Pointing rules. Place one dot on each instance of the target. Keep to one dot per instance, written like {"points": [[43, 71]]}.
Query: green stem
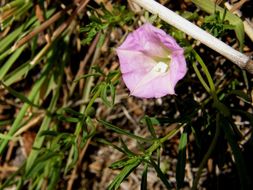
{"points": [[212, 90], [200, 78], [91, 102], [208, 154], [87, 90], [83, 108], [158, 142]]}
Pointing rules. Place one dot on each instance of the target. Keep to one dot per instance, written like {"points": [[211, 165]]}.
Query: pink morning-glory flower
{"points": [[151, 62]]}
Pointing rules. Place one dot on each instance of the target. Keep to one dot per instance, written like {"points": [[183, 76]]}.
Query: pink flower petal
{"points": [[146, 40], [145, 50], [134, 61]]}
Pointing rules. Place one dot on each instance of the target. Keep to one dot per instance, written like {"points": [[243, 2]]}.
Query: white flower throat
{"points": [[161, 67]]}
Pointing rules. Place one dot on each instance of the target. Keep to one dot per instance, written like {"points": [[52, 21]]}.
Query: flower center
{"points": [[161, 67]]}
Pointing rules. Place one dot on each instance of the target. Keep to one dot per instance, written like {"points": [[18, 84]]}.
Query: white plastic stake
{"points": [[240, 59]]}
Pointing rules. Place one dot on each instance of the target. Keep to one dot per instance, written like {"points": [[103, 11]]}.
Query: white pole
{"points": [[197, 33]]}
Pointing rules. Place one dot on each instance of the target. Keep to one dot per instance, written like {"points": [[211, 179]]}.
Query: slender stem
{"points": [[207, 155], [91, 102], [158, 143], [211, 88], [205, 70], [200, 77], [85, 97], [197, 33]]}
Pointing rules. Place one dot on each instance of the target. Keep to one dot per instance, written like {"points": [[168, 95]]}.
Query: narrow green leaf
{"points": [[55, 176], [16, 124], [70, 111], [121, 131], [180, 170], [40, 163], [6, 137], [49, 133], [91, 127], [223, 109], [15, 12], [125, 148], [5, 68], [6, 41], [20, 184], [19, 95], [89, 131], [107, 90], [239, 160], [17, 74], [5, 54], [68, 119], [101, 40], [112, 93], [119, 164], [112, 75], [124, 173], [154, 120], [122, 163], [103, 95], [201, 79], [110, 144], [150, 126], [160, 174], [205, 70], [74, 159], [9, 181], [86, 76], [144, 178], [38, 142]]}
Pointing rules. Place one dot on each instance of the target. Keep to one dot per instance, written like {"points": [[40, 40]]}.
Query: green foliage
{"points": [[216, 24], [40, 77], [18, 95], [13, 11], [211, 8], [180, 170], [150, 127], [134, 160], [144, 178], [123, 132], [128, 168], [239, 160], [161, 174], [103, 19]]}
